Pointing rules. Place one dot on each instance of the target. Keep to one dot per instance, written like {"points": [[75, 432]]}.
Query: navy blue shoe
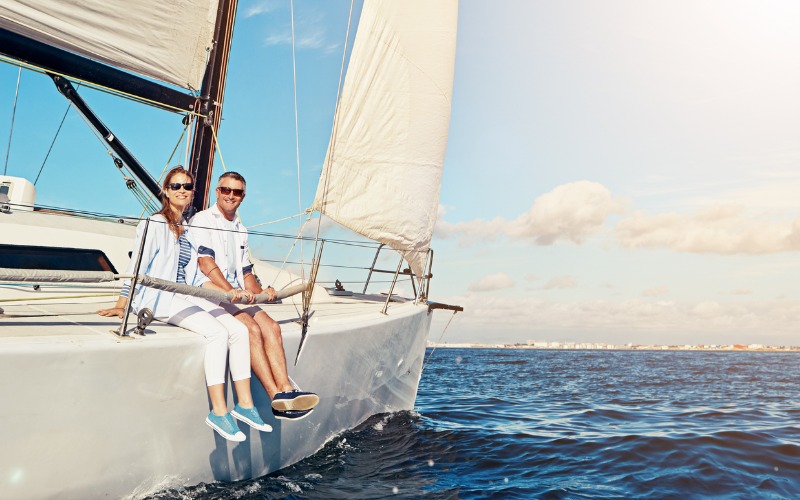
{"points": [[294, 400], [291, 414]]}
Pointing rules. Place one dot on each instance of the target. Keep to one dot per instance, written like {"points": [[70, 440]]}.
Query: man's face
{"points": [[230, 193]]}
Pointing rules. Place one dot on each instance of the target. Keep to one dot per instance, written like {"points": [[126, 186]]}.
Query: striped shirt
{"points": [[183, 257]]}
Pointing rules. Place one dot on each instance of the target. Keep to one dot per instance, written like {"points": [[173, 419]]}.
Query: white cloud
{"points": [[570, 212], [561, 282], [310, 33], [722, 229], [633, 320], [490, 282], [659, 291], [259, 8]]}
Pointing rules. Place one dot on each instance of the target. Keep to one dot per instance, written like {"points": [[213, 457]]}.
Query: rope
{"points": [[218, 148], [306, 211], [437, 342], [60, 297], [13, 115]]}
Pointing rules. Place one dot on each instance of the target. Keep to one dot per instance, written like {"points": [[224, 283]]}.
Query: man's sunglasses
{"points": [[226, 191], [177, 185]]}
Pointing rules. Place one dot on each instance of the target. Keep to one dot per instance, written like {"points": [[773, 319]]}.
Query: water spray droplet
{"points": [[505, 479], [395, 490], [430, 463]]}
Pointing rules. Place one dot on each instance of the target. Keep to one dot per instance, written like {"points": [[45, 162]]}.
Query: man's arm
{"points": [[216, 280], [209, 267]]}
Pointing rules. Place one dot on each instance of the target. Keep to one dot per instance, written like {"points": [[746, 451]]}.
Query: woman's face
{"points": [[181, 197]]}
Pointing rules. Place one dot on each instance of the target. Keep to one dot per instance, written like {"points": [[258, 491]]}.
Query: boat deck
{"points": [[75, 319]]}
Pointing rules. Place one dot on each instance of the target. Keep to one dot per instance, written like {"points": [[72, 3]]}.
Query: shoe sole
{"points": [[281, 417], [304, 402], [258, 427], [224, 434]]}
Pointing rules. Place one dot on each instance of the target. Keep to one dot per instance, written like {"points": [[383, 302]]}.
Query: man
{"points": [[221, 242]]}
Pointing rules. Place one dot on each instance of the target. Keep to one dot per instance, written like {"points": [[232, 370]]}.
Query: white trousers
{"points": [[225, 336]]}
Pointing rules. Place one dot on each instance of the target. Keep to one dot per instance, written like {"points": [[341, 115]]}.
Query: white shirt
{"points": [[212, 236]]}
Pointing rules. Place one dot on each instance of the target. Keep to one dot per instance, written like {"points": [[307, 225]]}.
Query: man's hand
{"points": [[244, 296], [271, 293]]}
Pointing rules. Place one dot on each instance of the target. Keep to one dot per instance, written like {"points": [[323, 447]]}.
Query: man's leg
{"points": [[259, 360], [258, 357], [272, 342], [287, 399]]}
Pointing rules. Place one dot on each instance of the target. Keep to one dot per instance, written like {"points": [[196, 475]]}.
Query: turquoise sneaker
{"points": [[225, 427], [251, 417]]}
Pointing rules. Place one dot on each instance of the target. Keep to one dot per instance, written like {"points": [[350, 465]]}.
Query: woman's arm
{"points": [[118, 310]]}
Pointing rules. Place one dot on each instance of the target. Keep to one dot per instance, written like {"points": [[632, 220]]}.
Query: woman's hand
{"points": [[113, 311]]}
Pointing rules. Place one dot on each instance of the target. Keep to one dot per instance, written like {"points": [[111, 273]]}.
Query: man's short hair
{"points": [[233, 175]]}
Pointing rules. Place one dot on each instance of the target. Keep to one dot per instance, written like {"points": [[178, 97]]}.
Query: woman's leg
{"points": [[238, 349], [194, 318]]}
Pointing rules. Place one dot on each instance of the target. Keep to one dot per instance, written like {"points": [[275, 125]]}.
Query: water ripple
{"points": [[566, 424]]}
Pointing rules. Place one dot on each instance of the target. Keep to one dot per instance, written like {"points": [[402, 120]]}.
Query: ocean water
{"points": [[514, 423]]}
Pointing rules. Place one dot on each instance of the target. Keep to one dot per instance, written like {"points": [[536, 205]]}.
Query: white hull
{"points": [[88, 415]]}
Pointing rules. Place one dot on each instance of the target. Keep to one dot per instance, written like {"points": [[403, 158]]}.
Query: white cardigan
{"points": [[160, 260]]}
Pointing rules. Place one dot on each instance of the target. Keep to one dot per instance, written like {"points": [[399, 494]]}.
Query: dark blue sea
{"points": [[516, 423]]}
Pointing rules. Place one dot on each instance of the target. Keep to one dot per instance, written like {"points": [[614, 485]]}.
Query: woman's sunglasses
{"points": [[226, 191], [188, 186]]}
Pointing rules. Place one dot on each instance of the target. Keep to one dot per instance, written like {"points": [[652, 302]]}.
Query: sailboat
{"points": [[94, 408]]}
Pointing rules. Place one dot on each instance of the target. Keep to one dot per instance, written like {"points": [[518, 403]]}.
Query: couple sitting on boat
{"points": [[212, 251]]}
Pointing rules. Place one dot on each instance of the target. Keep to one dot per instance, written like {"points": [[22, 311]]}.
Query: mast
{"points": [[211, 98]]}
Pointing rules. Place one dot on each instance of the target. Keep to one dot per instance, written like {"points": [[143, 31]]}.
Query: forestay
{"points": [[162, 39], [383, 171]]}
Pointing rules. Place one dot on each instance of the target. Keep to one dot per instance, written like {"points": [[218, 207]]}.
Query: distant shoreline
{"points": [[568, 347]]}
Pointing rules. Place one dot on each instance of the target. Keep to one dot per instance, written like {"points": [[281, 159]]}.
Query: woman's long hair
{"points": [[166, 211]]}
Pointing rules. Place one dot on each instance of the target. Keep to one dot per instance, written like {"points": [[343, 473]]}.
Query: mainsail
{"points": [[383, 170], [166, 40]]}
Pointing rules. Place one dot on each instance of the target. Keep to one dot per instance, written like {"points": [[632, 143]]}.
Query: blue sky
{"points": [[617, 171]]}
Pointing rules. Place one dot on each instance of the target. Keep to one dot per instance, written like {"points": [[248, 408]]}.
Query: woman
{"points": [[168, 255]]}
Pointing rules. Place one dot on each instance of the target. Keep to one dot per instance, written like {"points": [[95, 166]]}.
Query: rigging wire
{"points": [[327, 164], [140, 195], [296, 132], [152, 208], [58, 131], [438, 341], [13, 114]]}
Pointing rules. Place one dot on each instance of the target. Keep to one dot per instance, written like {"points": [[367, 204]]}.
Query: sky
{"points": [[617, 171]]}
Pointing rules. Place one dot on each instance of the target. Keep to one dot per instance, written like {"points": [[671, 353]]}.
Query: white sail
{"points": [[162, 39], [383, 171]]}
